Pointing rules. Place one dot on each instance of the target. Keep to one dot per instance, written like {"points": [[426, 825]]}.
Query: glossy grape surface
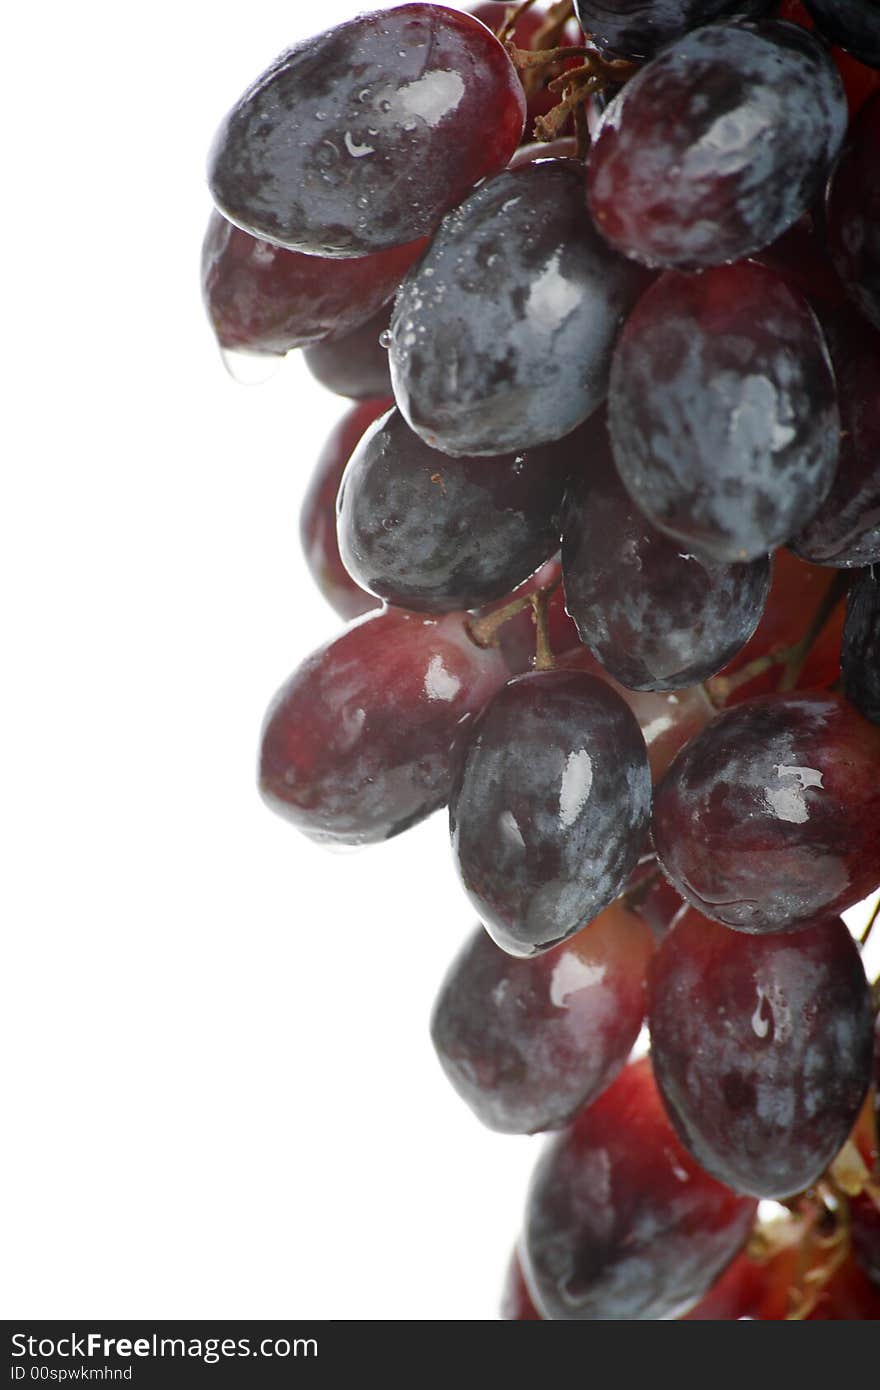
{"points": [[526, 1043], [768, 819], [860, 658], [717, 146], [549, 810], [264, 299], [317, 522], [359, 743], [433, 533], [502, 339], [656, 616], [852, 24], [845, 532], [762, 1048], [354, 364], [620, 1222], [637, 28], [364, 136], [853, 212], [723, 410]]}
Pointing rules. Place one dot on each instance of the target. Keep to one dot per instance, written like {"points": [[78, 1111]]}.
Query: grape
{"points": [[717, 146], [659, 905], [668, 719], [800, 257], [264, 299], [861, 647], [526, 1043], [549, 808], [865, 1215], [845, 531], [853, 24], [354, 364], [637, 28], [762, 1048], [620, 1222], [768, 819], [657, 617], [723, 410], [853, 212], [433, 533], [362, 138], [359, 743], [516, 1301], [318, 515], [502, 340]]}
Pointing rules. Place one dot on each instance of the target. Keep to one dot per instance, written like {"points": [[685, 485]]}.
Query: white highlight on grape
{"points": [[440, 684], [571, 974], [788, 802], [577, 782]]}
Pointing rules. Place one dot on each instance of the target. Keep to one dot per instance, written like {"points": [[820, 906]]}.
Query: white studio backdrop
{"points": [[220, 1095]]}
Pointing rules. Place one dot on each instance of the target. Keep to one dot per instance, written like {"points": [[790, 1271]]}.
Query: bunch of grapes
{"points": [[604, 517]]}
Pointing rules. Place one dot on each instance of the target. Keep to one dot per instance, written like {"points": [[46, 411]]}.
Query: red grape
{"points": [[526, 1043], [360, 742], [762, 1048], [768, 819], [853, 212], [516, 1301], [354, 364], [621, 1223], [262, 298]]}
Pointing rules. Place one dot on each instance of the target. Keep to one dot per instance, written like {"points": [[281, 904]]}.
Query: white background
{"points": [[219, 1092]]}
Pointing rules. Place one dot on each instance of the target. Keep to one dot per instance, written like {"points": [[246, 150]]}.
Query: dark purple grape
{"points": [[317, 522], [526, 1043], [655, 616], [549, 809], [621, 1223], [364, 136], [503, 339], [262, 298], [433, 533], [845, 532], [717, 146], [359, 743], [860, 655], [723, 410], [851, 24], [768, 819], [354, 364], [853, 212], [637, 28], [762, 1048]]}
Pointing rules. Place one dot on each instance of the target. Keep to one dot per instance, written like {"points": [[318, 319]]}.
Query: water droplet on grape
{"points": [[386, 338], [250, 368]]}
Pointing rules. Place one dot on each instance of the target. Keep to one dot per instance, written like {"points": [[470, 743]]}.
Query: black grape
{"points": [[851, 24], [549, 809], [655, 616], [503, 338], [723, 410], [429, 532]]}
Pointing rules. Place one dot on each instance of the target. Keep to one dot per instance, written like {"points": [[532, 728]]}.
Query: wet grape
{"points": [[550, 807], [637, 28], [361, 138], [354, 364], [762, 1048]]}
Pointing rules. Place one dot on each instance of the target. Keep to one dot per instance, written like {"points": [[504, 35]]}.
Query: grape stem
{"points": [[866, 934], [792, 659], [544, 660], [484, 631], [512, 17]]}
